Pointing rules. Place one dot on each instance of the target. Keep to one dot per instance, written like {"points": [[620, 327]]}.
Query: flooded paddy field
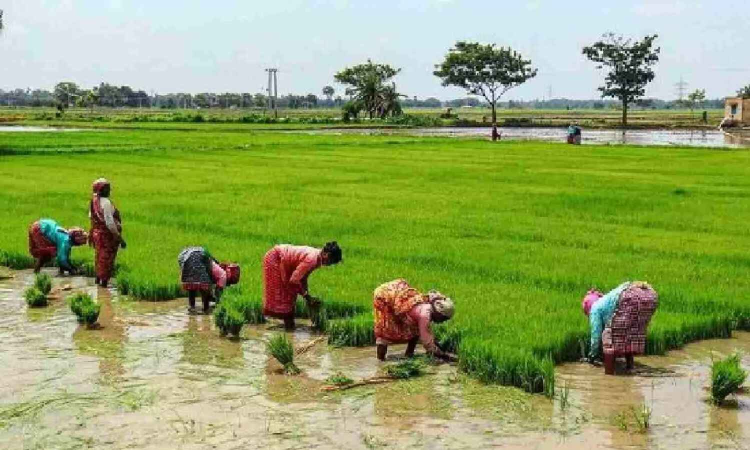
{"points": [[153, 376]]}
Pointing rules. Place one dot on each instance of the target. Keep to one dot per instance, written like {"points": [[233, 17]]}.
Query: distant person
{"points": [[202, 273], [705, 117], [285, 272], [600, 309], [574, 134], [47, 240], [403, 316], [106, 231]]}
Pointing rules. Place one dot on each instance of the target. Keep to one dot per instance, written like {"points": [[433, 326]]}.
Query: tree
{"points": [[328, 91], [66, 93], [367, 87], [696, 97], [486, 70], [744, 92], [630, 67], [1, 21]]}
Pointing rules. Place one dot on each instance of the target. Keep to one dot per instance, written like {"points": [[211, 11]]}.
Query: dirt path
{"points": [[155, 377]]}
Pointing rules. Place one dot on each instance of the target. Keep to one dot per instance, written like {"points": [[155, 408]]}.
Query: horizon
{"points": [[212, 48]]}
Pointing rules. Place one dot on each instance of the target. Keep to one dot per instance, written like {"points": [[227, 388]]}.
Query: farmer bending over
{"points": [[403, 315], [200, 272], [285, 272], [47, 239]]}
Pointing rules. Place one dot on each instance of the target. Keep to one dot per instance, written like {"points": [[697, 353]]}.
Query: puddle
{"points": [[154, 376], [689, 138], [33, 129]]}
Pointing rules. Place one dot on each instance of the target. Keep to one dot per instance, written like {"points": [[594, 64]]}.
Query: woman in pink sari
{"points": [[285, 272], [106, 231]]}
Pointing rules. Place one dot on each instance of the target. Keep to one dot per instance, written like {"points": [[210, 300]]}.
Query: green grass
{"points": [[727, 377], [35, 298], [229, 319], [514, 232], [85, 308], [43, 282]]}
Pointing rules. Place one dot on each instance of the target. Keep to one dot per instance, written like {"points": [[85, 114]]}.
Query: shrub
{"points": [[85, 308], [727, 377], [35, 298], [43, 282], [281, 348]]}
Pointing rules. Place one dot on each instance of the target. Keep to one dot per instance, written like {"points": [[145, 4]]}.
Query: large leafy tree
{"points": [[328, 91], [371, 88], [66, 93], [744, 92], [486, 70], [630, 64]]}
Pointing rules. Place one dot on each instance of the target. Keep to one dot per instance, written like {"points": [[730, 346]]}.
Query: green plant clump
{"points": [[281, 348], [405, 369], [35, 298], [229, 319], [43, 282], [85, 308], [727, 377], [339, 379]]}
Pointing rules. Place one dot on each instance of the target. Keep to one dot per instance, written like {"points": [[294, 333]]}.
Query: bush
{"points": [[43, 282], [727, 377], [35, 298], [280, 347], [85, 308]]}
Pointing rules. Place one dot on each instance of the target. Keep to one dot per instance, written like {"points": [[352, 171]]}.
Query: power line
{"points": [[681, 88]]}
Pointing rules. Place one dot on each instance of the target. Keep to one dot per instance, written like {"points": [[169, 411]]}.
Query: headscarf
{"points": [[77, 235], [99, 185], [588, 301], [441, 304]]}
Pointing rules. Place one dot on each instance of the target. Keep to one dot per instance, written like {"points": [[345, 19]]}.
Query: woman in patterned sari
{"points": [[106, 231], [285, 272], [48, 240], [403, 315]]}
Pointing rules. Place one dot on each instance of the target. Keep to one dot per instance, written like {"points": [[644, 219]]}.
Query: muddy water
{"points": [[688, 138], [154, 377]]}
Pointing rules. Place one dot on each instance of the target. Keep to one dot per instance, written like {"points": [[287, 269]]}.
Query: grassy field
{"points": [[514, 232], [304, 118]]}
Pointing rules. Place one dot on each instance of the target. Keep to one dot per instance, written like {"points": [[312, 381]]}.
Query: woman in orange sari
{"points": [[106, 231], [285, 272], [403, 316]]}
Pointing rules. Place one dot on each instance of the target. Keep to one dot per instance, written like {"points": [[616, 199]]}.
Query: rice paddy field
{"points": [[515, 232]]}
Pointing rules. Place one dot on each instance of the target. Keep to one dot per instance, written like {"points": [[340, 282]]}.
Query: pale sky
{"points": [[224, 45]]}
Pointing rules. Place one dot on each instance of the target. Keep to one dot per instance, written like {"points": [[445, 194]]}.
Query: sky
{"points": [[196, 46]]}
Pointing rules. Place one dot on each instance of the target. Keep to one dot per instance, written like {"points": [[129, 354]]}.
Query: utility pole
{"points": [[681, 88], [273, 90]]}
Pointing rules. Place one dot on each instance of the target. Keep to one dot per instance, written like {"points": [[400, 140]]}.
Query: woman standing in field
{"points": [[403, 315], [600, 309], [106, 231], [285, 272], [47, 239]]}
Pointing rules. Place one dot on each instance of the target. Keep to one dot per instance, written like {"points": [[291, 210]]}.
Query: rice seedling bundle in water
{"points": [[405, 369], [561, 221], [727, 377], [85, 308], [35, 298], [281, 348], [228, 319], [43, 282]]}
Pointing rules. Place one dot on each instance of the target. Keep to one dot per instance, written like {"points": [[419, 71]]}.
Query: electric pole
{"points": [[681, 88], [273, 90]]}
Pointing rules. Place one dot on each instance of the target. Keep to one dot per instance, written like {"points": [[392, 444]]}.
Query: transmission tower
{"points": [[273, 89], [680, 89]]}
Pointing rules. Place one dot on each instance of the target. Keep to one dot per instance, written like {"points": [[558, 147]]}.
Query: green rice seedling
{"points": [[85, 308], [43, 282], [405, 369], [352, 332], [281, 348], [35, 298], [564, 397], [642, 417], [339, 379], [727, 377], [228, 319], [251, 308]]}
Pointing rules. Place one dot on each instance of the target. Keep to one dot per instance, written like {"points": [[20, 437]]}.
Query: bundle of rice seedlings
{"points": [[339, 379], [281, 348], [43, 282], [405, 369], [85, 308], [35, 298], [229, 319], [727, 377]]}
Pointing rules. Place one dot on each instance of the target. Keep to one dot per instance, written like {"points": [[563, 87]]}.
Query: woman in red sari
{"points": [[106, 231], [403, 316], [285, 272]]}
